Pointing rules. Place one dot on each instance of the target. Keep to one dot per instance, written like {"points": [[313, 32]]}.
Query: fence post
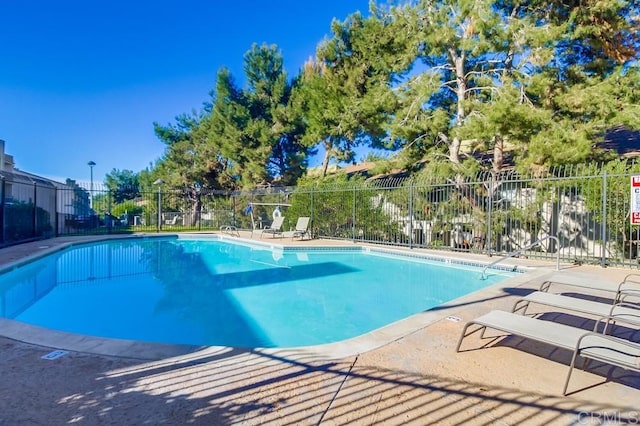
{"points": [[603, 251], [159, 224], [2, 211], [110, 227], [312, 214], [55, 211], [491, 186], [34, 219], [353, 217], [233, 211], [411, 214]]}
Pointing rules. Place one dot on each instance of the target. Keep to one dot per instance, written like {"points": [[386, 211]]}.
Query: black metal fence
{"points": [[27, 210], [587, 208]]}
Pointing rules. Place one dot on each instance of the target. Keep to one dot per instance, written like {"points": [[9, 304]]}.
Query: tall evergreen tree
{"points": [[190, 159], [123, 185], [522, 74], [347, 88], [191, 162], [260, 128]]}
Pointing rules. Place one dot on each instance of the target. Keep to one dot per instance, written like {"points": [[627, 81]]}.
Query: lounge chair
{"points": [[173, 221], [628, 312], [275, 228], [629, 287], [587, 344], [302, 228]]}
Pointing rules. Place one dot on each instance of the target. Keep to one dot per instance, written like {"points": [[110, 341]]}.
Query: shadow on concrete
{"points": [[507, 292], [229, 386], [563, 356]]}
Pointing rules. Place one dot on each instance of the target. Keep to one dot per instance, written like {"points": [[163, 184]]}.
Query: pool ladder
{"points": [[527, 247]]}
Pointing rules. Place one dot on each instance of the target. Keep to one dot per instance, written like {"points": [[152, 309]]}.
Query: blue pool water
{"points": [[212, 292]]}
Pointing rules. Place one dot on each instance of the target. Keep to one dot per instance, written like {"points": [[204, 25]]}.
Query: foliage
{"points": [[341, 207], [128, 207], [102, 202], [457, 86], [346, 90], [439, 171], [123, 185], [538, 78], [19, 221], [617, 193], [190, 160], [259, 129]]}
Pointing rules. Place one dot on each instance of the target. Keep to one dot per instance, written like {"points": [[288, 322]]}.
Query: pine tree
{"points": [[519, 75]]}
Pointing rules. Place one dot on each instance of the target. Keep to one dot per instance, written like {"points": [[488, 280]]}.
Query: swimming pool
{"points": [[214, 292]]}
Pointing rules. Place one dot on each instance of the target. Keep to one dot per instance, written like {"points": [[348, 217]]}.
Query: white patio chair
{"points": [[275, 228]]}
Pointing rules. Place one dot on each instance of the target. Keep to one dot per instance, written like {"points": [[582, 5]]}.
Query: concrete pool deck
{"points": [[415, 379]]}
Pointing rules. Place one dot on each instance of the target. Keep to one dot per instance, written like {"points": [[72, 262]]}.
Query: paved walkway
{"points": [[416, 379]]}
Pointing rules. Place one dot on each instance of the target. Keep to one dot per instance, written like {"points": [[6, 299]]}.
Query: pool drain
{"points": [[54, 355]]}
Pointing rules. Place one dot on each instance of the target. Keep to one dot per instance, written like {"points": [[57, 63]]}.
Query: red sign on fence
{"points": [[635, 200]]}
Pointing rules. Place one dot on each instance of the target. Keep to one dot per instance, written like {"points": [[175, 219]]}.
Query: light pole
{"points": [[91, 164], [159, 182]]}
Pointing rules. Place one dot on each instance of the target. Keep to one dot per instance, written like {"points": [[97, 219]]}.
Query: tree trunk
{"points": [[454, 150], [461, 89], [196, 210], [498, 154], [327, 157], [461, 94]]}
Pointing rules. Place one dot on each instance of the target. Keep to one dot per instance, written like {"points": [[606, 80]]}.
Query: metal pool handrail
{"points": [[517, 252]]}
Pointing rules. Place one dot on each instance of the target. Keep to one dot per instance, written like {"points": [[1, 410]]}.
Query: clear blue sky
{"points": [[85, 80]]}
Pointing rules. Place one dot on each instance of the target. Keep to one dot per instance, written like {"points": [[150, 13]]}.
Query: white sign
{"points": [[635, 200]]}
